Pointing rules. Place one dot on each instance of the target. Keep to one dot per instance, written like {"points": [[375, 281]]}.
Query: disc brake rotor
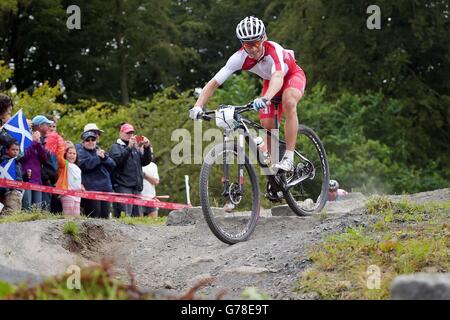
{"points": [[234, 194]]}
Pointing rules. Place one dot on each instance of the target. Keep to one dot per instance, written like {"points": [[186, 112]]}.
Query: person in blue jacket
{"points": [[96, 167]]}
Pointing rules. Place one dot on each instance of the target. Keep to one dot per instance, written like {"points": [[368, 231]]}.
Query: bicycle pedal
{"points": [[272, 198]]}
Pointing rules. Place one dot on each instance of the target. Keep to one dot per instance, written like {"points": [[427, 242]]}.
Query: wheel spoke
{"points": [[230, 212], [308, 196]]}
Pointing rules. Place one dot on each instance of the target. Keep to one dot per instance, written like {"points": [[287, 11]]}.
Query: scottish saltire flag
{"points": [[8, 169], [17, 127]]}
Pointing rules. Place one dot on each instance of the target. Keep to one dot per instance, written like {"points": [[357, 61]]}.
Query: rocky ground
{"points": [[171, 259]]}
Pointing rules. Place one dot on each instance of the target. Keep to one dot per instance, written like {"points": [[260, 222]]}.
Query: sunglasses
{"points": [[252, 44], [90, 140]]}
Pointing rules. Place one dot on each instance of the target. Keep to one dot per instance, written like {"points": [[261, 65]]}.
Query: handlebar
{"points": [[205, 115]]}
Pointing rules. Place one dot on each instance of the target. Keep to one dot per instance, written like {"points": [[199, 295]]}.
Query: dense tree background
{"points": [[378, 98]]}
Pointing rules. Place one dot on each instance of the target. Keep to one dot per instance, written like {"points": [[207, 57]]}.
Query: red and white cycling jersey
{"points": [[275, 58]]}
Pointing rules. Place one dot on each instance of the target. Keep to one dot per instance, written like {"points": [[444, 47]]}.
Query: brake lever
{"points": [[204, 116]]}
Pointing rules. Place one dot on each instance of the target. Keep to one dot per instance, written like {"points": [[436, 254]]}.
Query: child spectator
{"points": [[12, 197], [69, 174]]}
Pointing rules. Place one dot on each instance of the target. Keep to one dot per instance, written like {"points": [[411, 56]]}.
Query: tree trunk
{"points": [[119, 26], [125, 97]]}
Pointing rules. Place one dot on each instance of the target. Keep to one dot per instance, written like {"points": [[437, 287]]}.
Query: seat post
{"points": [[276, 102], [275, 106]]}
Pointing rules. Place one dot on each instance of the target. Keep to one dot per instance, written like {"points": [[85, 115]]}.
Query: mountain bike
{"points": [[229, 185]]}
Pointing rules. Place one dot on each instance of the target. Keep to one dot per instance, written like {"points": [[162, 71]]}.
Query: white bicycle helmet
{"points": [[333, 185], [250, 29]]}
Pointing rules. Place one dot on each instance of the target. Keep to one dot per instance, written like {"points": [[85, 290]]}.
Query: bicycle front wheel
{"points": [[229, 193], [310, 195]]}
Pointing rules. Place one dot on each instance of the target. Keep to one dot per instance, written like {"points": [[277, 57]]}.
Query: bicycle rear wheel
{"points": [[310, 195], [231, 211]]}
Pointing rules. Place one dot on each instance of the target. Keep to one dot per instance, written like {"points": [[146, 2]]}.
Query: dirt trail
{"points": [[172, 258]]}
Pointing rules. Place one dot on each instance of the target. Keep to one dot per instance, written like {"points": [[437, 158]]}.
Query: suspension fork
{"points": [[241, 163], [226, 178]]}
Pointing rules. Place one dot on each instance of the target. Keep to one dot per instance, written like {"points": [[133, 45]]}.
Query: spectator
{"points": [[12, 197], [128, 175], [334, 193], [52, 127], [69, 177], [90, 127], [31, 162], [55, 202], [96, 167], [49, 173], [93, 127], [6, 105], [151, 180]]}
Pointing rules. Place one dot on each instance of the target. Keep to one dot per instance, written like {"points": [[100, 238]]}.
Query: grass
{"points": [[100, 283], [97, 282], [143, 220], [72, 229], [39, 214], [323, 215], [29, 215], [407, 238]]}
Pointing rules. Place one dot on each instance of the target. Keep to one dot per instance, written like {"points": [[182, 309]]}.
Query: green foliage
{"points": [[5, 289], [237, 90], [252, 293], [42, 101], [72, 229], [377, 98], [407, 60], [341, 262], [8, 5], [365, 143], [335, 46], [209, 28], [5, 73], [143, 220], [404, 211], [97, 283]]}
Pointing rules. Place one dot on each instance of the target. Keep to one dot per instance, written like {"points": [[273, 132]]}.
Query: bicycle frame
{"points": [[274, 178]]}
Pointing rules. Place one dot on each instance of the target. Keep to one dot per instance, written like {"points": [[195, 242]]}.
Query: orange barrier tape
{"points": [[94, 195]]}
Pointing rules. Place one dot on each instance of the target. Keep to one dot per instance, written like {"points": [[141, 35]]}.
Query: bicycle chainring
{"points": [[272, 195]]}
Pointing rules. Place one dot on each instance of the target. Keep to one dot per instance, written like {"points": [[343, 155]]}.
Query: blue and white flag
{"points": [[17, 127], [8, 169]]}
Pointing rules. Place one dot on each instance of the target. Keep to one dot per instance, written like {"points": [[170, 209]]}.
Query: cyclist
{"points": [[334, 193], [282, 78]]}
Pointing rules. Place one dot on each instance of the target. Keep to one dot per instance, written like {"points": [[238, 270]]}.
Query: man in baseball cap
{"points": [[39, 120], [127, 176], [127, 128]]}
